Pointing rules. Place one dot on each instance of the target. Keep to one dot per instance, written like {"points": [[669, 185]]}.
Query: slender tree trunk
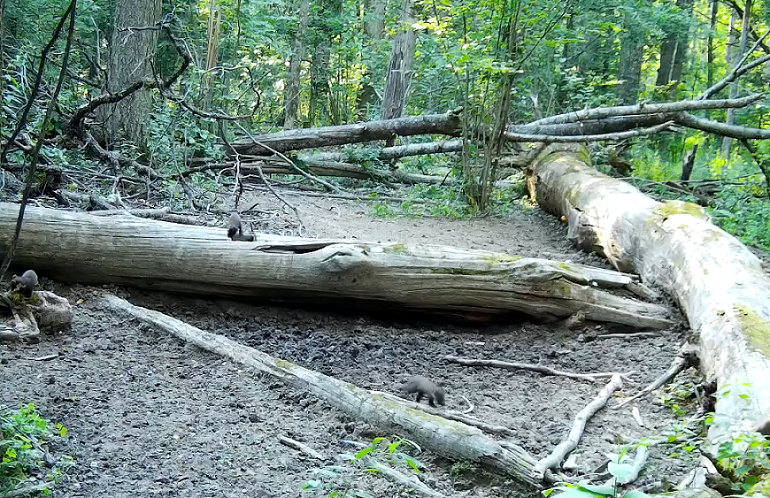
{"points": [[682, 42], [212, 51], [667, 50], [374, 27], [710, 49], [400, 67], [630, 67], [291, 91], [376, 23], [501, 114], [130, 57], [733, 59], [319, 67]]}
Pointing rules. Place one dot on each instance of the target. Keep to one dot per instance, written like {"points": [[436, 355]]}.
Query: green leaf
{"points": [[623, 471], [599, 489], [635, 494], [364, 452]]}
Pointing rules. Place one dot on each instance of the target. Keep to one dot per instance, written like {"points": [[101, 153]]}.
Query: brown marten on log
{"points": [[424, 387], [235, 230], [25, 284]]}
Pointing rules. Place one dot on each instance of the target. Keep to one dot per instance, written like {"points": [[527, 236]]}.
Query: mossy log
{"points": [[481, 285], [449, 438], [719, 284]]}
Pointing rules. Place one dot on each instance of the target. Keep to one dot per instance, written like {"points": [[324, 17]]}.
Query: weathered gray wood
{"points": [[311, 138], [78, 247], [717, 281], [446, 437]]}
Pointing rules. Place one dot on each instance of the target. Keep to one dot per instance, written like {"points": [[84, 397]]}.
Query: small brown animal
{"points": [[235, 226], [424, 387], [25, 283], [235, 230]]}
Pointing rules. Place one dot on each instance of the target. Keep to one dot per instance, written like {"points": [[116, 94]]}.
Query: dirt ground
{"points": [[151, 416]]}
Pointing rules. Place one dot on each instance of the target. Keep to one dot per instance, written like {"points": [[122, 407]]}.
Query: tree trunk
{"points": [[731, 58], [446, 437], [291, 91], [674, 49], [367, 96], [130, 57], [375, 11], [479, 285], [682, 43], [400, 66], [212, 52], [719, 284], [311, 138], [319, 67], [631, 56], [502, 108], [710, 49]]}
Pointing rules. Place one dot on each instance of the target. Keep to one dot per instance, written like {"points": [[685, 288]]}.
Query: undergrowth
{"points": [[26, 461]]}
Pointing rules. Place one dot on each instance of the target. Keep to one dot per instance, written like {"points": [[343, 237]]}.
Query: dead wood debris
{"points": [[562, 449], [593, 377], [686, 357], [307, 450]]}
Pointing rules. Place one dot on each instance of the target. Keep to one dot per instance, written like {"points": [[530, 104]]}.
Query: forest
{"points": [[372, 248]]}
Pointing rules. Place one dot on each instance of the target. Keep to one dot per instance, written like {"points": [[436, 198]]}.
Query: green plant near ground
{"points": [[23, 433], [338, 481], [621, 471]]}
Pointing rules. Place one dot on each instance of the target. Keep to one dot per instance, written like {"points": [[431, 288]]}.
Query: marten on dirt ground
{"points": [[25, 283], [424, 387], [235, 230]]}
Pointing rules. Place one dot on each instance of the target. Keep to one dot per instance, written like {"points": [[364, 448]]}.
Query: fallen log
{"points": [[445, 437], [717, 281], [313, 138], [480, 285]]}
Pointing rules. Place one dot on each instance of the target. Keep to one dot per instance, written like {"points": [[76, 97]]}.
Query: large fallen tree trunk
{"points": [[311, 138], [446, 437], [718, 282], [78, 247]]}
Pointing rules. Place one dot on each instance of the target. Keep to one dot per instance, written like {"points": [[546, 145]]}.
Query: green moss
{"points": [[396, 249], [671, 208], [755, 329], [285, 364], [501, 258]]}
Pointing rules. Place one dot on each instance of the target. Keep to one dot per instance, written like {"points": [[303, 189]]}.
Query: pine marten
{"points": [[235, 230], [24, 284], [424, 387]]}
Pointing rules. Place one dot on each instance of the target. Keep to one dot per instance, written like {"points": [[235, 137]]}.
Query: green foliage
{"points": [[22, 436], [338, 480]]}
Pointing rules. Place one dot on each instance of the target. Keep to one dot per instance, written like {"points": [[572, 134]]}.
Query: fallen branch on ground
{"points": [[685, 358], [448, 414], [593, 377], [445, 437], [401, 478], [578, 426], [301, 447]]}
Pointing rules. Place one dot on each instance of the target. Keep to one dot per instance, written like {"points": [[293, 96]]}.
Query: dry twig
{"points": [[593, 377], [578, 426]]}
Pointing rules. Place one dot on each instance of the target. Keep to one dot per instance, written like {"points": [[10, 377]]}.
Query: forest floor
{"points": [[151, 416]]}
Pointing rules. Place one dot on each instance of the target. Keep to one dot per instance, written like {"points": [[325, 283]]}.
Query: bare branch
{"points": [[622, 135], [645, 108], [739, 70]]}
